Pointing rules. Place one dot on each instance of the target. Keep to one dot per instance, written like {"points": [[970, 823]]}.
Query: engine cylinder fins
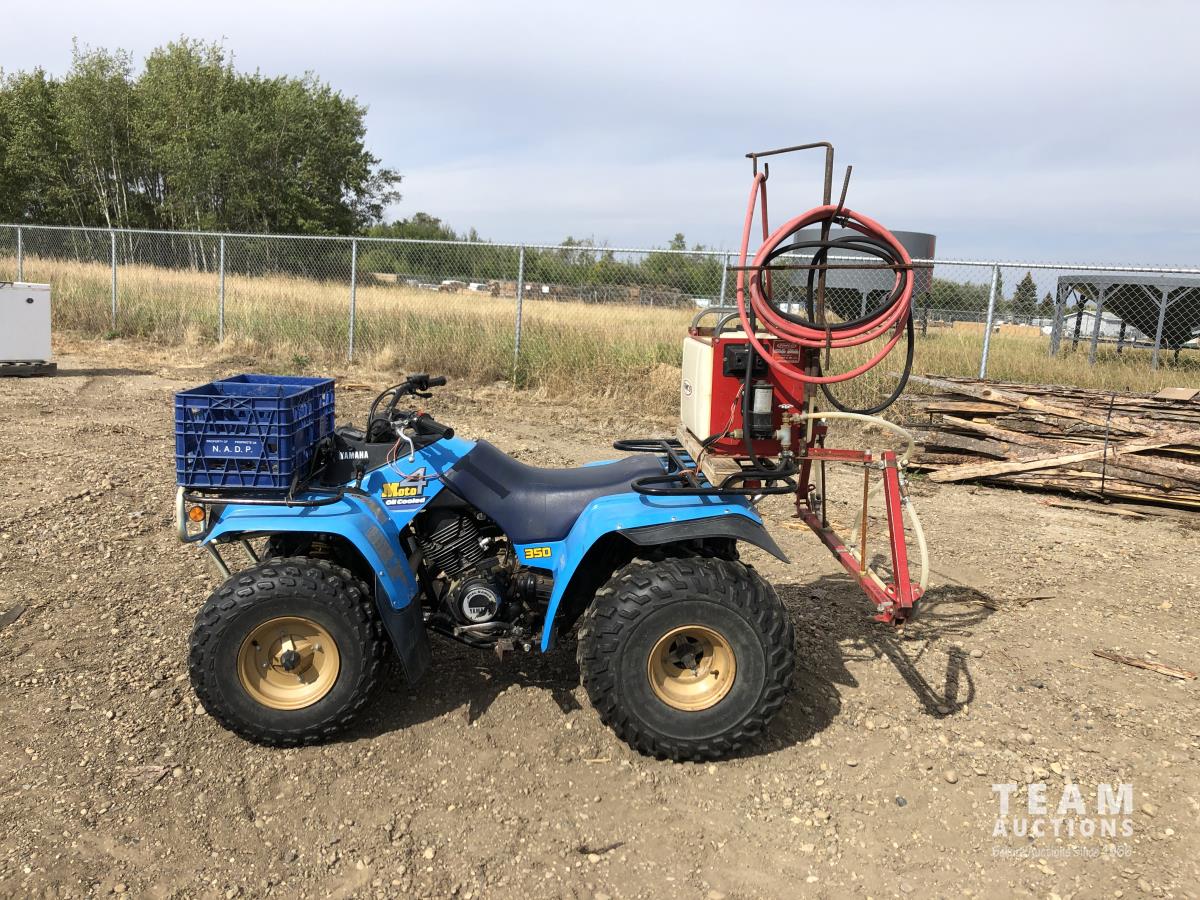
{"points": [[452, 546]]}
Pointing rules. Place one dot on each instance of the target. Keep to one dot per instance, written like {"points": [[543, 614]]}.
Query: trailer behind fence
{"points": [[573, 316]]}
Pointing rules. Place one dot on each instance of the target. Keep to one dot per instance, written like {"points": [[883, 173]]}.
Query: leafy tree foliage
{"points": [[956, 296], [186, 143]]}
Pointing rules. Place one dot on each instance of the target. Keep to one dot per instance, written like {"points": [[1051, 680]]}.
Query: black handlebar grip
{"points": [[437, 381], [425, 425]]}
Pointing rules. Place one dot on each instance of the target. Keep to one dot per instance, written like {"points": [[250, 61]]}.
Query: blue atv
{"points": [[401, 528]]}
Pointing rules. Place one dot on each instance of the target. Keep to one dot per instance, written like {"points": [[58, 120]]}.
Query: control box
{"points": [[24, 322], [710, 393]]}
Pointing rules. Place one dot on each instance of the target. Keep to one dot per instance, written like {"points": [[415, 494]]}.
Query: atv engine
{"points": [[478, 597], [477, 584]]}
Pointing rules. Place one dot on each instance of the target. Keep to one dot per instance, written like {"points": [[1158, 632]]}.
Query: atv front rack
{"points": [[684, 477]]}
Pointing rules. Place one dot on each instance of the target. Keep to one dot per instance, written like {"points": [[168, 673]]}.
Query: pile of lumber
{"points": [[1132, 447]]}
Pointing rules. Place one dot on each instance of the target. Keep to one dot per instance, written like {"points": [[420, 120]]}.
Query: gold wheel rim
{"points": [[691, 668], [288, 663]]}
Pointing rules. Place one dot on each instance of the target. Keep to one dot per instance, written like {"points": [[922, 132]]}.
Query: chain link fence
{"points": [[573, 317]]}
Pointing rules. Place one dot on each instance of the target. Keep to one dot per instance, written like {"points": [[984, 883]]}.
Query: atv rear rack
{"points": [[685, 476]]}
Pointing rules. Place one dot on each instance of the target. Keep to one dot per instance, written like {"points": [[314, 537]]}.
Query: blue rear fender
{"points": [[633, 513]]}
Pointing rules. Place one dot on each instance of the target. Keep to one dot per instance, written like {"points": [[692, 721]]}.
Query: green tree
{"points": [[35, 181], [1046, 307], [96, 106], [187, 143], [1024, 300], [947, 297]]}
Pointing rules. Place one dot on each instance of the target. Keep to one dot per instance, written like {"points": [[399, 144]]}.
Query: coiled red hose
{"points": [[891, 317]]}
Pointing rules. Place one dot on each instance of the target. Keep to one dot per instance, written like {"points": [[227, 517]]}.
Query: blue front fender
{"points": [[624, 512], [360, 519]]}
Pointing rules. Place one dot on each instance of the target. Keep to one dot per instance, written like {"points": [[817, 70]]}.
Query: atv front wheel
{"points": [[287, 652], [686, 658]]}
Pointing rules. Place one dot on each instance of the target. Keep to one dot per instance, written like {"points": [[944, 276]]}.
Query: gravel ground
{"points": [[493, 779]]}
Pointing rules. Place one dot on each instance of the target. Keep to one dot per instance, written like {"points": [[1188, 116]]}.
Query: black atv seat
{"points": [[533, 504]]}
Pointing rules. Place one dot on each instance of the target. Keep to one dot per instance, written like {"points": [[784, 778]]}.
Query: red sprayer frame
{"points": [[894, 600], [767, 328]]}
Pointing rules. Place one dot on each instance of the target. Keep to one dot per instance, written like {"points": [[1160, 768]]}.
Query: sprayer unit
{"points": [[756, 402], [714, 368]]}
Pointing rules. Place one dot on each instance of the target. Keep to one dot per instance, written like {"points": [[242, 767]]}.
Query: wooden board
{"points": [[715, 468], [983, 470], [1177, 394], [1106, 444]]}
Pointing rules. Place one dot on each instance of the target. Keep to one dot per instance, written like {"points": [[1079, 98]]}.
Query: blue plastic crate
{"points": [[250, 432]]}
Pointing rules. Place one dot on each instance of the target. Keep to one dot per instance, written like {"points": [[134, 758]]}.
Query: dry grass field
{"points": [[567, 348]]}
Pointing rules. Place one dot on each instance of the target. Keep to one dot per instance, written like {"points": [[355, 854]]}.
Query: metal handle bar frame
{"points": [[686, 481]]}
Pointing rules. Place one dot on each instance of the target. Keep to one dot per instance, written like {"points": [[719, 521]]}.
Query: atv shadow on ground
{"points": [[465, 681], [101, 372], [833, 627]]}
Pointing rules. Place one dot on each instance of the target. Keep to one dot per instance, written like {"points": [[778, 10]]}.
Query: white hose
{"points": [[919, 537], [909, 440], [902, 460]]}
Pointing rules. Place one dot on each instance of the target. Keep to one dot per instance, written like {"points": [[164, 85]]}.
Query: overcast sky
{"points": [[1050, 131]]}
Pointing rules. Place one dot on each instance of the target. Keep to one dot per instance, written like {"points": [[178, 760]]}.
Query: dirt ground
{"points": [[493, 779]]}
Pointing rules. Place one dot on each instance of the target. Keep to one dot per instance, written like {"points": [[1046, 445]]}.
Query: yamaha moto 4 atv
{"points": [[402, 529]]}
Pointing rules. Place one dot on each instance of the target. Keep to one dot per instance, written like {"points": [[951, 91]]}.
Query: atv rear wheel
{"points": [[686, 658], [287, 652]]}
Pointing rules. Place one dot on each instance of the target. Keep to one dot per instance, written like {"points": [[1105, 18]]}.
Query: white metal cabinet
{"points": [[24, 322]]}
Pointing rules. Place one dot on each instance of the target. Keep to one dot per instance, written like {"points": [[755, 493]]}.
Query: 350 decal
{"points": [[538, 553]]}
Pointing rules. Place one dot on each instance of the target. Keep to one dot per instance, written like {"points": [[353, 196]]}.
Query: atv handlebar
{"points": [[423, 382], [424, 424], [383, 407]]}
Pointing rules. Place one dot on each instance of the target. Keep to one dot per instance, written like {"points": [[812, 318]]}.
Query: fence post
{"points": [[20, 255], [1162, 315], [987, 328], [1096, 326], [353, 294], [112, 255], [724, 276], [1056, 326], [520, 298], [221, 291]]}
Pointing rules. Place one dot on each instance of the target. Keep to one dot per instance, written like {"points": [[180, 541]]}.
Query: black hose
{"points": [[821, 251], [901, 383]]}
